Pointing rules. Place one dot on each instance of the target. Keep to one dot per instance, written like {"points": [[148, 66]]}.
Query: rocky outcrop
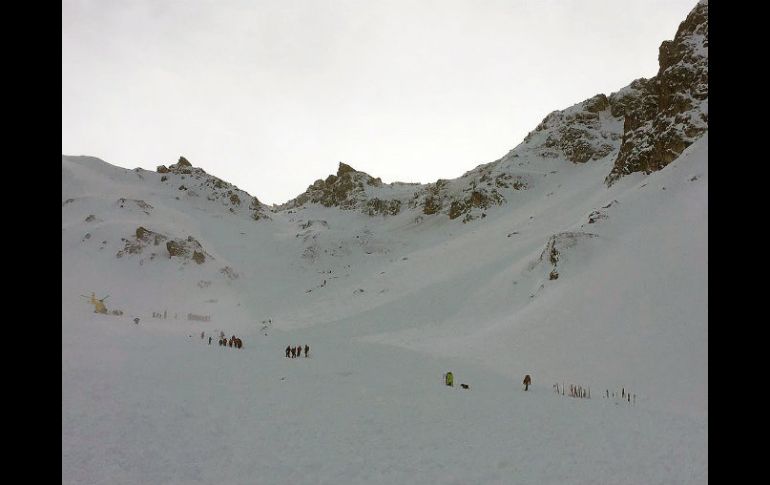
{"points": [[470, 195], [554, 249], [187, 249], [584, 132], [377, 206], [642, 127], [183, 166], [476, 199], [345, 190], [143, 238], [257, 210], [196, 182], [338, 190], [667, 113]]}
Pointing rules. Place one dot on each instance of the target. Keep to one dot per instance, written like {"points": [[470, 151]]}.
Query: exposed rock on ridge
{"points": [[667, 113], [214, 188], [580, 133], [346, 190]]}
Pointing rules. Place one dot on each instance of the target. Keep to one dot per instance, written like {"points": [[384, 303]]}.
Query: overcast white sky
{"points": [[270, 95]]}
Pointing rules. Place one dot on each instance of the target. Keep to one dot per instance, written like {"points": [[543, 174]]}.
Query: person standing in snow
{"points": [[288, 351], [307, 349], [293, 352], [202, 335], [528, 381], [450, 378], [209, 339]]}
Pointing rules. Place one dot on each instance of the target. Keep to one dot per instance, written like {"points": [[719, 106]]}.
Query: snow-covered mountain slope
{"points": [[530, 264], [573, 283], [587, 131]]}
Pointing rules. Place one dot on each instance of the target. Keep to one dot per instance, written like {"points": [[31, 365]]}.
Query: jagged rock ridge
{"points": [[195, 182], [667, 113]]}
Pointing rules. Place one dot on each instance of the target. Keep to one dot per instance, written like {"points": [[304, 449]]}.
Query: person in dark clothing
{"points": [[307, 349], [288, 351], [209, 339], [293, 352]]}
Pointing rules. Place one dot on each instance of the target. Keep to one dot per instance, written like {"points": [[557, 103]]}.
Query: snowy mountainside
{"points": [[586, 131], [432, 284], [579, 257], [387, 305]]}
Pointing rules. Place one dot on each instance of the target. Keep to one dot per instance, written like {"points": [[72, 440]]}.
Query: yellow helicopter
{"points": [[98, 303]]}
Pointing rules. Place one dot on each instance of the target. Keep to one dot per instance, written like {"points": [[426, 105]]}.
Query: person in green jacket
{"points": [[449, 379]]}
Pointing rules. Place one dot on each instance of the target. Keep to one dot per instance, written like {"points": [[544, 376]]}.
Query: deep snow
{"points": [[153, 403]]}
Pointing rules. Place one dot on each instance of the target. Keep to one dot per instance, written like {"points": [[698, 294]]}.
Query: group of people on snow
{"points": [[233, 342], [224, 341], [293, 352]]}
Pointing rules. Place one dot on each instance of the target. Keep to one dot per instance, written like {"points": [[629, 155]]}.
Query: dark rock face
{"points": [[596, 104], [631, 100], [667, 113]]}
